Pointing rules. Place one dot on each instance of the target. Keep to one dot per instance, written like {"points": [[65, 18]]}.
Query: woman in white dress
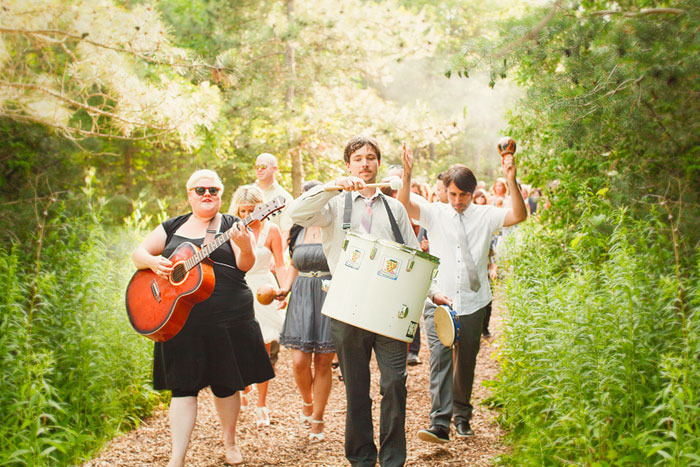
{"points": [[268, 246]]}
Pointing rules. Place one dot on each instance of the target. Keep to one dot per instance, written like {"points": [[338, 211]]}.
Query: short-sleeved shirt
{"points": [[480, 223], [282, 221]]}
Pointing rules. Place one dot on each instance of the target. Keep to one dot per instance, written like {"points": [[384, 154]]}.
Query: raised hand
{"points": [[406, 159], [508, 166]]}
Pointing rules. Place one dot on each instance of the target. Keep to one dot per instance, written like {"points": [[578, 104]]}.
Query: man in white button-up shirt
{"points": [[462, 276], [354, 346]]}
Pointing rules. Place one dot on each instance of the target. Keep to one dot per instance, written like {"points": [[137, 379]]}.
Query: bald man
{"points": [[266, 174]]}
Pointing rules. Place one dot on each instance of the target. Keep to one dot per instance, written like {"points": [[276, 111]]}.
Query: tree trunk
{"points": [[294, 152]]}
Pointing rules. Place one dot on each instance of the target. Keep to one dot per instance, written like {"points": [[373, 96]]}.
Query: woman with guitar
{"points": [[220, 344]]}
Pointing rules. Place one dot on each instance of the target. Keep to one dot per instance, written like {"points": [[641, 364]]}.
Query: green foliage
{"points": [[611, 101], [599, 358], [74, 373]]}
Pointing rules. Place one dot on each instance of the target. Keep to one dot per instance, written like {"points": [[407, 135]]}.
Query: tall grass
{"points": [[73, 371], [600, 356]]}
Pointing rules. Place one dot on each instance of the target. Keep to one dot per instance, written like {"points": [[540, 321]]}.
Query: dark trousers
{"points": [[354, 348], [451, 386], [466, 350], [414, 347], [487, 318]]}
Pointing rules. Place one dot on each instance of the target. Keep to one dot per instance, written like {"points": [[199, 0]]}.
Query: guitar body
{"points": [[158, 307]]}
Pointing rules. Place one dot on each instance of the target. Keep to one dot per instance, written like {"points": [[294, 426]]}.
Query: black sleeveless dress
{"points": [[221, 343]]}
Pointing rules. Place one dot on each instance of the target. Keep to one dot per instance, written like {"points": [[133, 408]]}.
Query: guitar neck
{"points": [[209, 248]]}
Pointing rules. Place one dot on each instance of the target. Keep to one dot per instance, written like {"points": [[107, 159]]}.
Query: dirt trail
{"points": [[285, 443]]}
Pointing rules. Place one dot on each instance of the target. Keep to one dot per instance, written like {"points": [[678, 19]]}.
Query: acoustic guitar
{"points": [[158, 306]]}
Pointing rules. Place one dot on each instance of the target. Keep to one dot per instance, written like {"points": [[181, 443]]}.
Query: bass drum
{"points": [[380, 286]]}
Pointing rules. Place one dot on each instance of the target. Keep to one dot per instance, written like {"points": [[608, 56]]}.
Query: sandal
{"points": [[306, 419], [316, 437], [262, 417]]}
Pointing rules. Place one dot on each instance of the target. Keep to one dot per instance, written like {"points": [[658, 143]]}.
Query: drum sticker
{"points": [[355, 259], [412, 329], [389, 267]]}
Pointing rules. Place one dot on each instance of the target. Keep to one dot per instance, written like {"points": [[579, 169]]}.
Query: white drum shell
{"points": [[373, 288]]}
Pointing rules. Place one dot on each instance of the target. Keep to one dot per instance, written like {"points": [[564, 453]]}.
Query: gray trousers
{"points": [[450, 394], [354, 348]]}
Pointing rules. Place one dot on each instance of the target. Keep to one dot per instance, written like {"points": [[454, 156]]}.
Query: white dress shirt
{"points": [[325, 209], [480, 223]]}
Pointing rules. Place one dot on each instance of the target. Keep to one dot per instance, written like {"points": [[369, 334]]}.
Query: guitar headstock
{"points": [[263, 211]]}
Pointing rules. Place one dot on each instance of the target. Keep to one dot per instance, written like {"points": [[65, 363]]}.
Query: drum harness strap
{"points": [[347, 213]]}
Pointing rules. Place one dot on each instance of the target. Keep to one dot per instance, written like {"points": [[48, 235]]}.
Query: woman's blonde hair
{"points": [[204, 173], [505, 184], [246, 194]]}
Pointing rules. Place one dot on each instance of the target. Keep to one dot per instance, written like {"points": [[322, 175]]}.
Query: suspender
{"points": [[347, 212], [394, 226]]}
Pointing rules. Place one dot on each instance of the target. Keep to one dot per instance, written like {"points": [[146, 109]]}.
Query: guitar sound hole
{"points": [[179, 273]]}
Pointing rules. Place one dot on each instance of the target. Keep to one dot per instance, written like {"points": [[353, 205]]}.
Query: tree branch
{"points": [[642, 12], [83, 38], [71, 132], [88, 108], [531, 34]]}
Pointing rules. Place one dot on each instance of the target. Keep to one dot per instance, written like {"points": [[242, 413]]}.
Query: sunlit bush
{"points": [[74, 373]]}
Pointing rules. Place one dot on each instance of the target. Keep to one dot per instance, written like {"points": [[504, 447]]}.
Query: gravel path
{"points": [[285, 443]]}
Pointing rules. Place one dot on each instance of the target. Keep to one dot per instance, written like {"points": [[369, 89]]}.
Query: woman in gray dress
{"points": [[306, 331]]}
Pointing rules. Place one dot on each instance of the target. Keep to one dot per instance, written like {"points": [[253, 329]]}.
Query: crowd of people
{"points": [[231, 341]]}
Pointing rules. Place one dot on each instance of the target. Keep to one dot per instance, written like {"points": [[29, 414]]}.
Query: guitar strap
{"points": [[212, 228]]}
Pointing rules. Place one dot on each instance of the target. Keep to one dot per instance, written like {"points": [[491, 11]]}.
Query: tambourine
{"points": [[447, 325]]}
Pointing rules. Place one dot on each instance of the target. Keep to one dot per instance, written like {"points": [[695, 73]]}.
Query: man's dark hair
{"points": [[358, 142], [462, 176], [441, 176]]}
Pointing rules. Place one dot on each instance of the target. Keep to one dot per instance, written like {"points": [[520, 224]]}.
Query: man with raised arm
{"points": [[369, 212], [460, 235]]}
